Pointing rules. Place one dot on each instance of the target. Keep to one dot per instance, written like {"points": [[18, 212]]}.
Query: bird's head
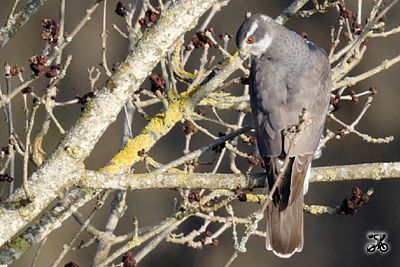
{"points": [[255, 35]]}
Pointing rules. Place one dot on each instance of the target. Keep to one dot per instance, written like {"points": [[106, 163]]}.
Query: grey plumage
{"points": [[288, 74]]}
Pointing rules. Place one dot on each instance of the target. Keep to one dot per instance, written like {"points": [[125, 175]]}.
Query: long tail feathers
{"points": [[285, 228], [285, 217]]}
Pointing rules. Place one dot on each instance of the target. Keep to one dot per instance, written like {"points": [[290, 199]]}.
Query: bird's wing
{"points": [[309, 89], [268, 95], [278, 97]]}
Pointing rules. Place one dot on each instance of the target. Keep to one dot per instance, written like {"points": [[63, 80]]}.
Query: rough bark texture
{"points": [[18, 20], [96, 180], [65, 166]]}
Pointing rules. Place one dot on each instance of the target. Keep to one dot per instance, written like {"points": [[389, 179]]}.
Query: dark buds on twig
{"points": [[27, 90], [200, 112], [38, 64], [141, 153], [72, 264], [194, 196], [121, 10], [128, 260], [85, 98], [334, 103], [350, 205], [157, 83], [222, 36], [253, 160], [189, 128], [6, 178], [151, 16], [341, 133], [200, 39], [53, 71], [354, 98], [250, 140], [356, 28], [51, 30], [373, 90], [240, 195], [13, 71]]}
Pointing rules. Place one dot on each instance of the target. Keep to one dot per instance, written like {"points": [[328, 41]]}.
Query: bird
{"points": [[289, 82]]}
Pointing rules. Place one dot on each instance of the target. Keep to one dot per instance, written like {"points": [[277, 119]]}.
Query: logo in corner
{"points": [[377, 243]]}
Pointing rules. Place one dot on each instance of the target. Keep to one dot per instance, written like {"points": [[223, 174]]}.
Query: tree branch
{"points": [[52, 220], [47, 223], [291, 10], [16, 22], [65, 165], [97, 180], [350, 81]]}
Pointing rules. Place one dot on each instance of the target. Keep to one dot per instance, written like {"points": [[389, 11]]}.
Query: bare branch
{"points": [[47, 223], [385, 34], [350, 81], [7, 98], [291, 10], [66, 165], [16, 21], [96, 180]]}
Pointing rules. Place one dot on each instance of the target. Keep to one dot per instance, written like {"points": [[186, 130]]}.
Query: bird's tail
{"points": [[285, 229], [285, 214]]}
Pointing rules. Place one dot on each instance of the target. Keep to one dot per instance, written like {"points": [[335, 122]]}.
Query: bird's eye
{"points": [[250, 40]]}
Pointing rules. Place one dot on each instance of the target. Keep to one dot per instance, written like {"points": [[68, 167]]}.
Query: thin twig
{"points": [[10, 122], [350, 81], [61, 31], [195, 154], [69, 246], [27, 151], [11, 14], [365, 137], [41, 245], [7, 98], [137, 240], [104, 35], [385, 34], [153, 244]]}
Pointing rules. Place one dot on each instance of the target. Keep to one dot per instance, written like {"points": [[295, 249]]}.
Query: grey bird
{"points": [[288, 76]]}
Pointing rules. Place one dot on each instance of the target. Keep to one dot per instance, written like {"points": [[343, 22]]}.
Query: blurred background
{"points": [[329, 240]]}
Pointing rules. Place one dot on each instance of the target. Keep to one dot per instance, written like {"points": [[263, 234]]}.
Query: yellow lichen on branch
{"points": [[319, 210], [163, 122], [157, 127]]}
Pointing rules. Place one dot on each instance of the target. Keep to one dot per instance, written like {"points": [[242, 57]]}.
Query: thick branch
{"points": [[17, 21], [52, 220], [65, 166], [47, 223], [163, 122], [96, 180]]}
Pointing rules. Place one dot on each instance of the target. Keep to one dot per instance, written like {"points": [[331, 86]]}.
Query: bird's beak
{"points": [[243, 54]]}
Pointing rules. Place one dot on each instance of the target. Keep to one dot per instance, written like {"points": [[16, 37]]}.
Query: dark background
{"points": [[329, 240]]}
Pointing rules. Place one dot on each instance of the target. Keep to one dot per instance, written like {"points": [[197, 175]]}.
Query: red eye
{"points": [[249, 40]]}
